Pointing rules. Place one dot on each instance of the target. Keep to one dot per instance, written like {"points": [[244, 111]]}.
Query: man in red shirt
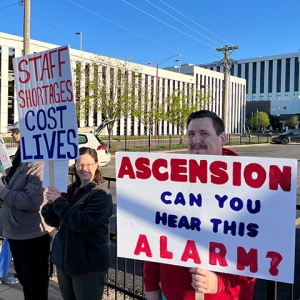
{"points": [[206, 136]]}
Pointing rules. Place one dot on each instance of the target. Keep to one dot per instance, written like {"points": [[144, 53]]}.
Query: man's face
{"points": [[15, 135], [202, 138]]}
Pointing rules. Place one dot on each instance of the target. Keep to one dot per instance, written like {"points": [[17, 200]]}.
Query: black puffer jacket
{"points": [[80, 245]]}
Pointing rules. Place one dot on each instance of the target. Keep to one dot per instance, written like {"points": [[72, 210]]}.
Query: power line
{"points": [[182, 23], [8, 6], [123, 27], [193, 21], [53, 27], [167, 24]]}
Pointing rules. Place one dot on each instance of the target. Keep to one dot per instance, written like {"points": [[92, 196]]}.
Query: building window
{"points": [[273, 107], [284, 107], [287, 74], [262, 77], [278, 107], [296, 82], [270, 77], [239, 70], [254, 77], [270, 96], [247, 75], [278, 81], [253, 97]]}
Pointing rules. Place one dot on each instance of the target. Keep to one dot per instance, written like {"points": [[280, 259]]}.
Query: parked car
{"points": [[292, 135], [268, 132], [86, 139], [89, 139]]}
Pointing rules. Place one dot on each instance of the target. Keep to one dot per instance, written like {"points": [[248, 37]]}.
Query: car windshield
{"points": [[288, 132]]}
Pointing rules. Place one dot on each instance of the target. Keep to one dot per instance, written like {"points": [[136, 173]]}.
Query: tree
{"points": [[108, 92], [147, 109], [181, 104], [291, 122], [260, 119], [275, 122]]}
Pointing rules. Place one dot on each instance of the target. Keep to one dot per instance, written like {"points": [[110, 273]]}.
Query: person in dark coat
{"points": [[80, 249]]}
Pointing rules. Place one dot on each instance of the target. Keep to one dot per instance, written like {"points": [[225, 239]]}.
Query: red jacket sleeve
{"points": [[151, 276], [236, 284]]}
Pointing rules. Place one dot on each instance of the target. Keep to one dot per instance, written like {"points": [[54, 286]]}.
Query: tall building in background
{"points": [[158, 83], [272, 82]]}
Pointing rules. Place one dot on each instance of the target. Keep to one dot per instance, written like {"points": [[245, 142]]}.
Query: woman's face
{"points": [[86, 167]]}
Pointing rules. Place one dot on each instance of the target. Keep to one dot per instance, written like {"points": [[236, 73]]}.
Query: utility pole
{"points": [[226, 50], [26, 27]]}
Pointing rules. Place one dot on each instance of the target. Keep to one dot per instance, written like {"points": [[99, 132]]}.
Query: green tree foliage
{"points": [[258, 120], [291, 122], [149, 111], [109, 88], [181, 104], [275, 122]]}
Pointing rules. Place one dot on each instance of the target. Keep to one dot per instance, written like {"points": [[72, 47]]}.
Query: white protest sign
{"points": [[61, 178], [5, 161], [46, 107], [223, 213]]}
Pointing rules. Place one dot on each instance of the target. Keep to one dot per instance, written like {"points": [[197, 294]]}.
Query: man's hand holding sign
{"points": [[192, 217]]}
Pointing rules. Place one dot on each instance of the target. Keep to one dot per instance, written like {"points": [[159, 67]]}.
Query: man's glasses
{"points": [[81, 166]]}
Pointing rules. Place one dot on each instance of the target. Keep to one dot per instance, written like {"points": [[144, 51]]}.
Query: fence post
{"points": [[170, 141], [271, 290]]}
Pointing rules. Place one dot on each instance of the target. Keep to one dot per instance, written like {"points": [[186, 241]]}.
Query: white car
{"points": [[85, 139], [89, 139]]}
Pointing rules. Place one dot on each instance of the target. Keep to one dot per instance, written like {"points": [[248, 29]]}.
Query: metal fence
{"points": [[169, 142], [124, 279]]}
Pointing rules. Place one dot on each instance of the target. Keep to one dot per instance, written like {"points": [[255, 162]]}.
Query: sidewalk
{"points": [[15, 291]]}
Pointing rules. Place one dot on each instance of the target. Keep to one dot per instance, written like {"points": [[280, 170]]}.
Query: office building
{"points": [[157, 82]]}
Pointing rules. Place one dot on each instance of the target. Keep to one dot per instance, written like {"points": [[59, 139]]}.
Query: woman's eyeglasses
{"points": [[81, 166]]}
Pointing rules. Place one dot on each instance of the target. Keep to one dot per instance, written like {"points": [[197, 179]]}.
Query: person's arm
{"points": [[31, 196], [151, 278], [97, 210], [3, 179], [50, 217]]}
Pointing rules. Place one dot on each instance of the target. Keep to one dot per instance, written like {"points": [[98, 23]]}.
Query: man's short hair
{"points": [[217, 121], [14, 128]]}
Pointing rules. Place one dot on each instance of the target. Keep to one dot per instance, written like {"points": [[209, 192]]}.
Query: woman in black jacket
{"points": [[80, 250]]}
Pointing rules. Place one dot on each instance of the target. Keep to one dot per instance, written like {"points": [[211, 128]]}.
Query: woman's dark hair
{"points": [[217, 121], [98, 175]]}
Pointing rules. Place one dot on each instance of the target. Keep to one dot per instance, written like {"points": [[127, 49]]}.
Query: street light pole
{"points": [[256, 120], [80, 34], [157, 65], [178, 61]]}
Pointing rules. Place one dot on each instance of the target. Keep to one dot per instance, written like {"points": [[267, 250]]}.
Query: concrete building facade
{"points": [[159, 83]]}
